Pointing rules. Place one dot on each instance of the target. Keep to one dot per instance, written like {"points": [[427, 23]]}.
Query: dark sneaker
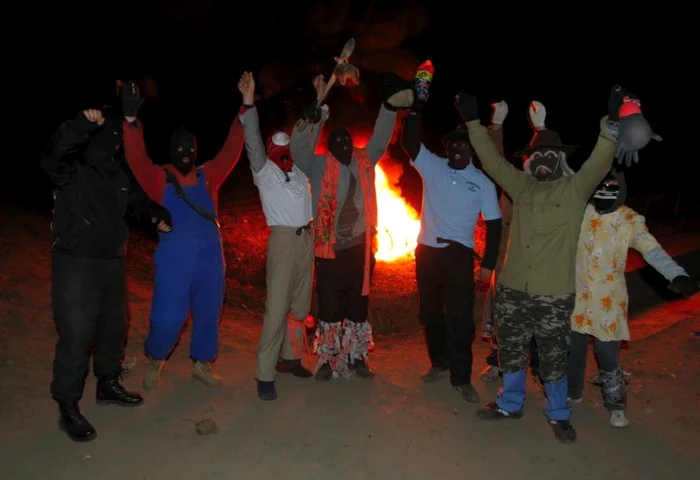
{"points": [[294, 367], [468, 392], [324, 373], [361, 369], [563, 430], [267, 391], [493, 412], [434, 374]]}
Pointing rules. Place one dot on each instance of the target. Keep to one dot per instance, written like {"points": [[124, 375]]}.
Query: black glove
{"points": [[467, 107], [684, 285], [312, 113], [160, 214], [131, 98], [396, 92]]}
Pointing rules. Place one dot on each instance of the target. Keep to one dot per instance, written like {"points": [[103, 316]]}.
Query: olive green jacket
{"points": [[547, 216]]}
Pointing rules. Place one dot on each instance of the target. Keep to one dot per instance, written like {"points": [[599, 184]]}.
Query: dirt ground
{"points": [[392, 427]]}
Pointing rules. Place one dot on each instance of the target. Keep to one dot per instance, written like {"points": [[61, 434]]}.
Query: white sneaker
{"points": [[618, 419]]}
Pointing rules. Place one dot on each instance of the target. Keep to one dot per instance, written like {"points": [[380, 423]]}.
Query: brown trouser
{"points": [[290, 263]]}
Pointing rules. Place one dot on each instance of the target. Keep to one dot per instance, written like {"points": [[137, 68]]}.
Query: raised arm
{"points": [[151, 177], [61, 155], [598, 164], [498, 116], [218, 169], [506, 175], [410, 135], [492, 216], [254, 146], [304, 140], [383, 130]]}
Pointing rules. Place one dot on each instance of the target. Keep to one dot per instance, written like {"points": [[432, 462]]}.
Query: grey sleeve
{"points": [[383, 130], [664, 264], [254, 146], [302, 143]]}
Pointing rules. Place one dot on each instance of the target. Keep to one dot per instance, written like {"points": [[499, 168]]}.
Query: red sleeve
{"points": [[151, 177], [217, 170]]}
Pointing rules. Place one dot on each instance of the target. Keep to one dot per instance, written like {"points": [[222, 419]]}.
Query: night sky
{"points": [[194, 51]]}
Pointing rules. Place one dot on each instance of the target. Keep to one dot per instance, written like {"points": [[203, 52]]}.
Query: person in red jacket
{"points": [[190, 270]]}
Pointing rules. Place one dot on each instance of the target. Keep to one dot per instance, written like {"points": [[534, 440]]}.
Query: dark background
{"points": [[193, 52]]}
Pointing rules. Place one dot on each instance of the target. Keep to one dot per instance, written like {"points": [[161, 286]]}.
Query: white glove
{"points": [[537, 114], [500, 112]]}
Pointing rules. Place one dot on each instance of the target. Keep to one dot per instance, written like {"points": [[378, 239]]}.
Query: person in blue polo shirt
{"points": [[455, 192]]}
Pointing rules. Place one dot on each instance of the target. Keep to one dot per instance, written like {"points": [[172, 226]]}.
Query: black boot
{"points": [[111, 392], [74, 423]]}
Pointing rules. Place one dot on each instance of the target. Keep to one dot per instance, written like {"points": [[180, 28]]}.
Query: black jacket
{"points": [[91, 198]]}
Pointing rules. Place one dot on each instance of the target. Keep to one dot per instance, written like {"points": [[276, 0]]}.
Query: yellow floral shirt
{"points": [[601, 290]]}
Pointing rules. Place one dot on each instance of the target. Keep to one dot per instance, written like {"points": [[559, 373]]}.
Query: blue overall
{"points": [[189, 277]]}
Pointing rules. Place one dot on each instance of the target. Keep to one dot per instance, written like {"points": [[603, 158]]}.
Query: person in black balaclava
{"points": [[608, 230], [190, 267], [92, 196], [345, 220], [183, 150]]}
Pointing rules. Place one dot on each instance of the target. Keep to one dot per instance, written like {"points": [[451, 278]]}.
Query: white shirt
{"points": [[285, 203]]}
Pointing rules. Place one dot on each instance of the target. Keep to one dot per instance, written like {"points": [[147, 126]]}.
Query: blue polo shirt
{"points": [[452, 200]]}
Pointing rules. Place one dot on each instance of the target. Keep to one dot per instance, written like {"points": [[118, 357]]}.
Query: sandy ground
{"points": [[392, 427]]}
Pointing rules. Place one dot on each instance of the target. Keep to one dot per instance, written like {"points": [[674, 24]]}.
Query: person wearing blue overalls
{"points": [[189, 260]]}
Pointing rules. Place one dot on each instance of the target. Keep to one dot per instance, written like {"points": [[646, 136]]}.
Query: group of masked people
{"points": [[322, 212], [560, 265]]}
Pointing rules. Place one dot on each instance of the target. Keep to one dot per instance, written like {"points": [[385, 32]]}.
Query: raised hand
{"points": [[320, 84], [467, 107], [246, 85], [500, 112], [537, 115], [94, 117], [634, 131], [130, 97]]}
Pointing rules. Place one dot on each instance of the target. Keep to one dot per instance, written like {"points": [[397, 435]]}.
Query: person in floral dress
{"points": [[609, 230]]}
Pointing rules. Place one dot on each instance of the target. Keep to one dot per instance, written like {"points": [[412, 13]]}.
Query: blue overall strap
{"points": [[180, 193]]}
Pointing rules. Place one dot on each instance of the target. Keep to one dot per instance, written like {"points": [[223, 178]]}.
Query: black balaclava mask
{"points": [[610, 194], [546, 165], [340, 145], [105, 146], [183, 150]]}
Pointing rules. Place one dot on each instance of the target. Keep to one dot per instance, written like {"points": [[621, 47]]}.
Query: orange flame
{"points": [[398, 223]]}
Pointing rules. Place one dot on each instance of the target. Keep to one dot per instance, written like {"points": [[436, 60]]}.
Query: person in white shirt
{"points": [[285, 193]]}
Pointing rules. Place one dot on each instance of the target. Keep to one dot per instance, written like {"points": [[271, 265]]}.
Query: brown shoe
{"points": [[204, 372], [151, 378]]}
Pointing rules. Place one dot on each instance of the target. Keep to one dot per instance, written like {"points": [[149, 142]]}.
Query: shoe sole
{"points": [[64, 429], [484, 416], [103, 403], [208, 384]]}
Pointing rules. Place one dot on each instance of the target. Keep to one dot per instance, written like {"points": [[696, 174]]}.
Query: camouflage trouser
{"points": [[521, 316]]}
